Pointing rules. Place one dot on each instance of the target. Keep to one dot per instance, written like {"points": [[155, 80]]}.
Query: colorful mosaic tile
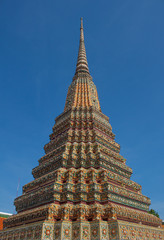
{"points": [[66, 231], [47, 232]]}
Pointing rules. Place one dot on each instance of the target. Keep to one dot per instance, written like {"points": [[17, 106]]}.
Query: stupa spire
{"points": [[82, 188], [82, 64]]}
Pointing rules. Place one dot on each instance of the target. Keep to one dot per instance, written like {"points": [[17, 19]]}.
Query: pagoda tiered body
{"points": [[82, 188]]}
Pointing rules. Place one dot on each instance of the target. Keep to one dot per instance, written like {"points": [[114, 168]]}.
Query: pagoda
{"points": [[82, 188]]}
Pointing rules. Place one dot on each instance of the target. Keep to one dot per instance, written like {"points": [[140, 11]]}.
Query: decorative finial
{"points": [[82, 64]]}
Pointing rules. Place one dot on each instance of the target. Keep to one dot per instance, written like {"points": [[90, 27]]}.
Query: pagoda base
{"points": [[83, 230]]}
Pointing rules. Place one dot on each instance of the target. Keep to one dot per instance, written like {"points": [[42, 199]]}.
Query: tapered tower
{"points": [[82, 188]]}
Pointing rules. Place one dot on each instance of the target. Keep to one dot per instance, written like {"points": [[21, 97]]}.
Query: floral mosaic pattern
{"points": [[47, 231], [104, 233], [57, 231], [23, 233], [76, 231], [136, 232], [95, 231], [67, 231], [85, 233], [113, 230]]}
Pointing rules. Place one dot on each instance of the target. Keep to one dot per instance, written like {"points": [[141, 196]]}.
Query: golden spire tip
{"points": [[81, 22]]}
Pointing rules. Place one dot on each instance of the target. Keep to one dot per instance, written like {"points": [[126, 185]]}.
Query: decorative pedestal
{"points": [[63, 230], [83, 230], [48, 231]]}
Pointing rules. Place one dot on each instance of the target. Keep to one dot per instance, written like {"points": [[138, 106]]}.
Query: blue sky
{"points": [[38, 51]]}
